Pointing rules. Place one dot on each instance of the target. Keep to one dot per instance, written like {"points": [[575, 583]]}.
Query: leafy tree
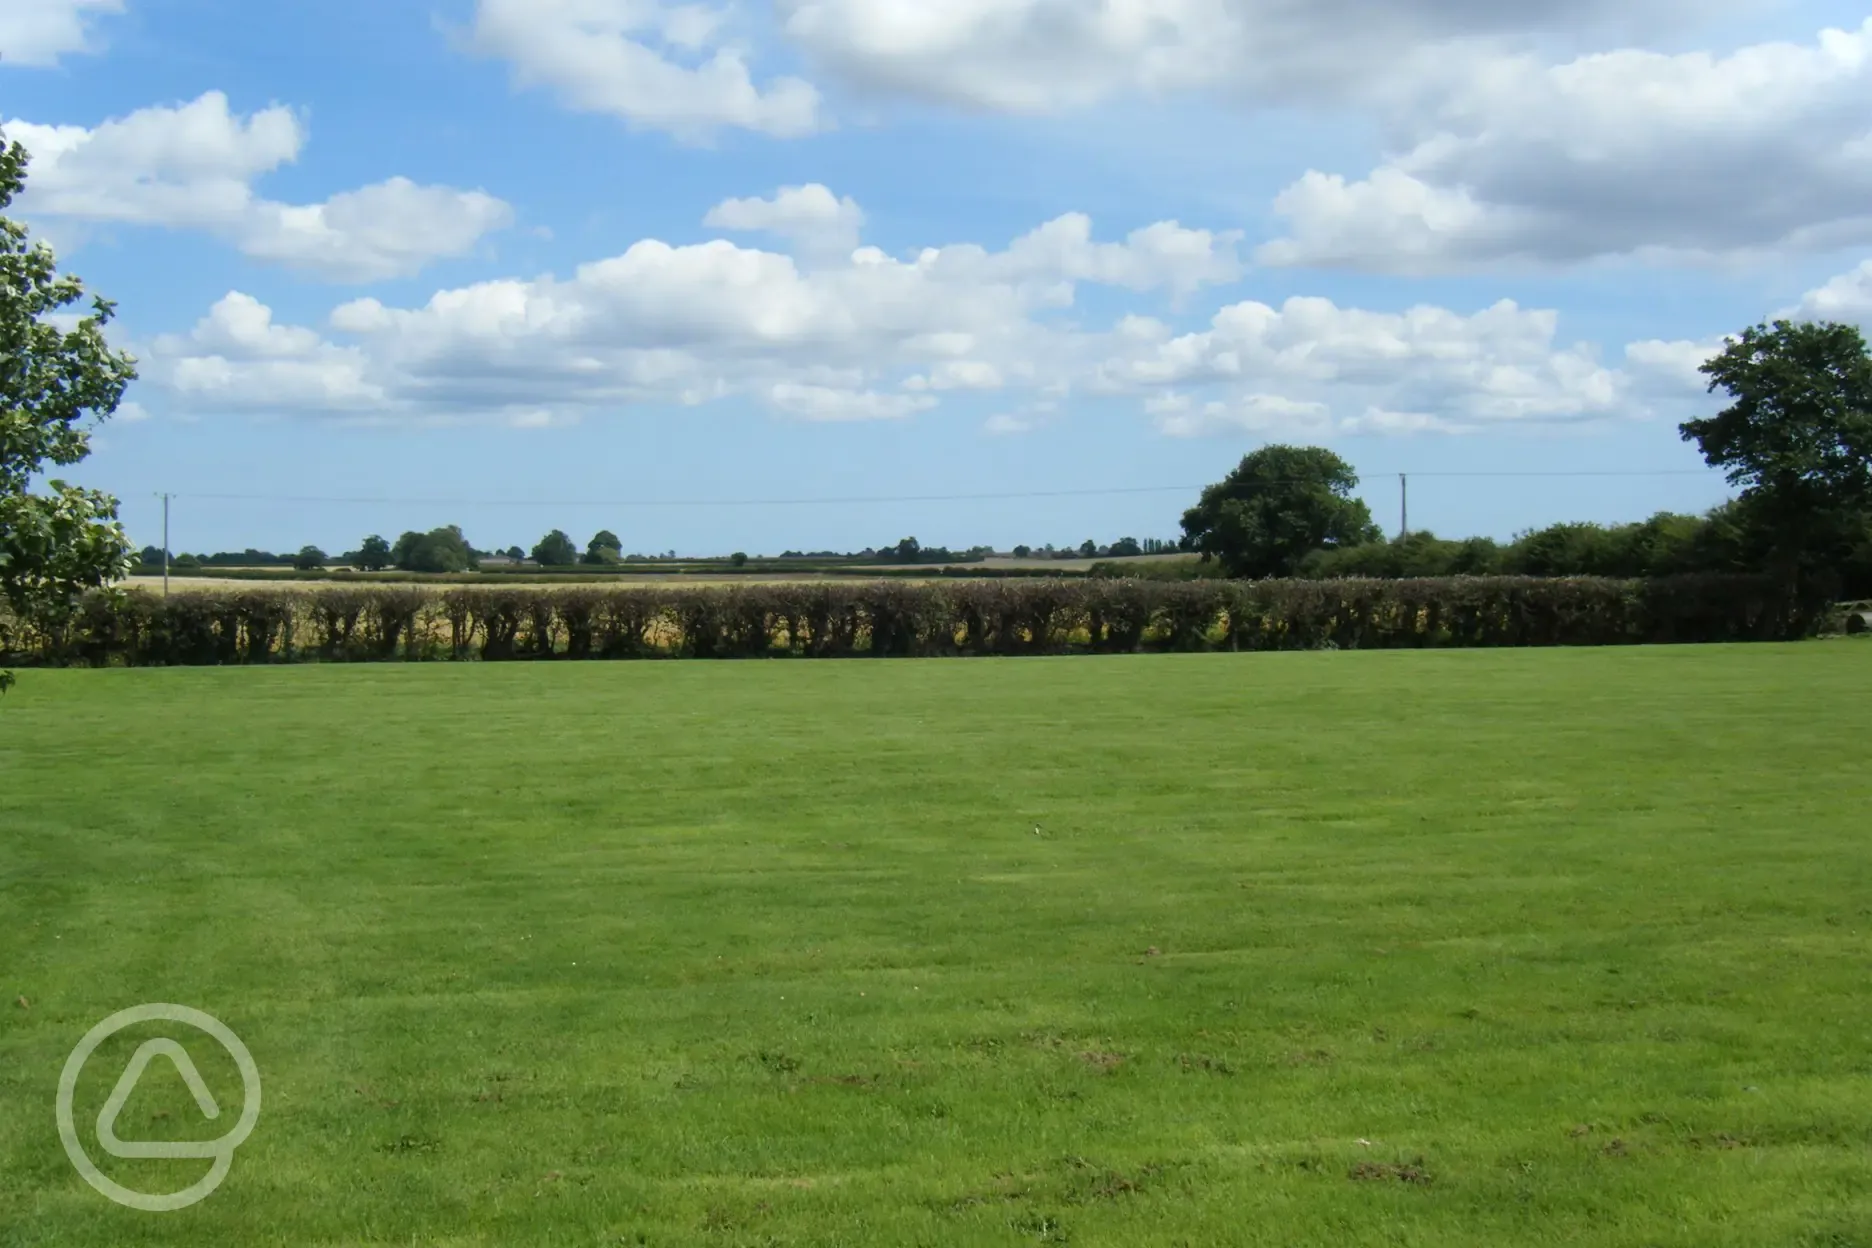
{"points": [[556, 550], [1667, 544], [188, 561], [514, 552], [1572, 549], [1088, 549], [1125, 548], [1022, 552], [408, 552], [1417, 553], [309, 559], [56, 383], [1797, 437], [439, 550], [1279, 505], [373, 556], [604, 547], [1475, 556]]}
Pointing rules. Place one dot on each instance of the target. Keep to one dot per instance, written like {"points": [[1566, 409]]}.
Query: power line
{"points": [[385, 500]]}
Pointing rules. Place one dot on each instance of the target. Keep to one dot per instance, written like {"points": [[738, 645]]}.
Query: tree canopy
{"points": [[56, 383], [1279, 505], [374, 555], [604, 547], [439, 550], [556, 550], [1797, 437]]}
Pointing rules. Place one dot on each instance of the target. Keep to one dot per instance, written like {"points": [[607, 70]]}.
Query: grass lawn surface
{"points": [[1404, 948]]}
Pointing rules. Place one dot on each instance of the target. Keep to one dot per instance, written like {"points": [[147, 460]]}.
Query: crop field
{"points": [[288, 584], [761, 569], [1434, 948], [769, 572]]}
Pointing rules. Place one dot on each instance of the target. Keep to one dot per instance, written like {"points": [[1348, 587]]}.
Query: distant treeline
{"points": [[446, 550], [882, 618], [152, 557], [627, 573], [1666, 545]]}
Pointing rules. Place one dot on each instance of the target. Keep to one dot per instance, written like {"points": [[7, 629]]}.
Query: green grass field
{"points": [[1407, 948]]}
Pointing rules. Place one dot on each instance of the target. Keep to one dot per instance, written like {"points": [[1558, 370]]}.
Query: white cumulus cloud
{"points": [[1030, 56], [679, 67], [656, 65], [193, 166], [39, 32], [811, 217], [1672, 367], [871, 337], [1625, 153], [237, 358], [1314, 365], [1847, 297], [880, 337]]}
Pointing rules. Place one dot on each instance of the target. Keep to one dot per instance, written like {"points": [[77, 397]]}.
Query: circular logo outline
{"points": [[222, 1150]]}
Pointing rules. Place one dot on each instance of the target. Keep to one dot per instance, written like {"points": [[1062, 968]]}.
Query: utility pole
{"points": [[1403, 481], [165, 499]]}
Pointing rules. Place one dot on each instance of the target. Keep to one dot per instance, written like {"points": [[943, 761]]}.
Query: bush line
{"points": [[889, 618], [647, 575]]}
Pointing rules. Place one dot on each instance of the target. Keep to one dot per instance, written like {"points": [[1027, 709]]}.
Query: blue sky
{"points": [[564, 263]]}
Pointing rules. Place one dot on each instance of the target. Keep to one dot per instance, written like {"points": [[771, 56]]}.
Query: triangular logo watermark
{"points": [[126, 1084]]}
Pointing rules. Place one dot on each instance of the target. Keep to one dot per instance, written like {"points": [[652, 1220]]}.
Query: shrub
{"points": [[897, 618]]}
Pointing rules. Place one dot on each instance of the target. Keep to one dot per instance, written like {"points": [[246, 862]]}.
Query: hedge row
{"points": [[824, 620], [623, 574]]}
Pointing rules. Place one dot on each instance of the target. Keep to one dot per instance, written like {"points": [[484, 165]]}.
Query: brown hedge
{"points": [[888, 618]]}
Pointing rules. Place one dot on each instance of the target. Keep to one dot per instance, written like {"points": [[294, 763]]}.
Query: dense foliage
{"points": [[893, 618], [1725, 540], [1797, 437], [374, 555], [604, 548], [1278, 506], [555, 550], [438, 550], [56, 382]]}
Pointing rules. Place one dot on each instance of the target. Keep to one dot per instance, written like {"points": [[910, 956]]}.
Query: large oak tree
{"points": [[1280, 505]]}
